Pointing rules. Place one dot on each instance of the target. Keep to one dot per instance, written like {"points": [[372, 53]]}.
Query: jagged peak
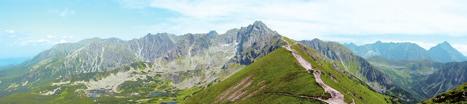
{"points": [[445, 42], [351, 43], [158, 35], [258, 26], [212, 32], [316, 39], [443, 45], [378, 42]]}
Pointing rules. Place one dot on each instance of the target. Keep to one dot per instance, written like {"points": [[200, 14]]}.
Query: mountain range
{"points": [[423, 73], [442, 52], [251, 64]]}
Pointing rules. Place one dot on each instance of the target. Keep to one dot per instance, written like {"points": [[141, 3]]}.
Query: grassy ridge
{"points": [[275, 78], [352, 88]]}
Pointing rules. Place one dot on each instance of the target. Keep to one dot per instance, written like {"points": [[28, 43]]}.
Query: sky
{"points": [[28, 27]]}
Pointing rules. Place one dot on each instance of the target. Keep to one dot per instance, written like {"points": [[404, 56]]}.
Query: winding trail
{"points": [[336, 96]]}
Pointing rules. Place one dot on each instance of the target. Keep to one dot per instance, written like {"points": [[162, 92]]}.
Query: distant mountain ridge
{"points": [[442, 52], [423, 73]]}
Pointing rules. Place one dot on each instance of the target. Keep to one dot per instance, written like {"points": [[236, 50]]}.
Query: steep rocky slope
{"points": [[353, 64], [457, 95], [449, 75]]}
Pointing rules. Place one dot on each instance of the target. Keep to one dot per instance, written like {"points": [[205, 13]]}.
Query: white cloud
{"points": [[300, 18], [63, 12], [10, 31]]}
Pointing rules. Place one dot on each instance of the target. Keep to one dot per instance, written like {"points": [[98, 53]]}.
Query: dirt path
{"points": [[336, 96]]}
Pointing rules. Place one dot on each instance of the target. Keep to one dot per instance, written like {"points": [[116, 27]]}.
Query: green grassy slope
{"points": [[275, 78], [278, 78], [67, 96], [453, 96], [352, 88]]}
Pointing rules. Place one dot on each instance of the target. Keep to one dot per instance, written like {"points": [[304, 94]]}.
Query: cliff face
{"points": [[448, 75], [255, 41]]}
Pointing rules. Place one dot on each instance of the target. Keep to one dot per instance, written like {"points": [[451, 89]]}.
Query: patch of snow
{"points": [[60, 83], [25, 83], [53, 92]]}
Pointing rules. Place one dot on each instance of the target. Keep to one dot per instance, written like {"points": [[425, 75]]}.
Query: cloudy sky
{"points": [[30, 26]]}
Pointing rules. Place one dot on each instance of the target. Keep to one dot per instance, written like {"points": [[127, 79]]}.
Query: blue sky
{"points": [[28, 27]]}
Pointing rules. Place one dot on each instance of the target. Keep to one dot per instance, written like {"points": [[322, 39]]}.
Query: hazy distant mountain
{"points": [[423, 78], [391, 51], [420, 72], [444, 52]]}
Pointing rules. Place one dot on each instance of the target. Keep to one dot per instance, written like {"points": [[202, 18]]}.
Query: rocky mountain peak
{"points": [[157, 36], [444, 45], [211, 33], [259, 27], [378, 42], [444, 52], [258, 37], [259, 24]]}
